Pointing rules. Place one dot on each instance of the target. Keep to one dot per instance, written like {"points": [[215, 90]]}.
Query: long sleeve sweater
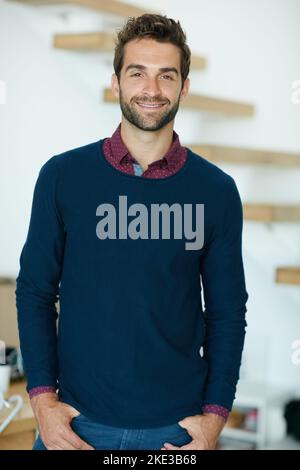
{"points": [[43, 264]]}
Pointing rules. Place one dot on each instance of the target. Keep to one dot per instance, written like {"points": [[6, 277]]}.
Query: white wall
{"points": [[53, 104]]}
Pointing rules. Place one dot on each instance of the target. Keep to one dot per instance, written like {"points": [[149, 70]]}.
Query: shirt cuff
{"points": [[43, 389], [216, 409]]}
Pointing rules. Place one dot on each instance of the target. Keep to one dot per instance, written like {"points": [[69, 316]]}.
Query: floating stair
{"points": [[102, 41], [108, 6], [288, 275], [222, 153], [271, 212], [202, 103]]}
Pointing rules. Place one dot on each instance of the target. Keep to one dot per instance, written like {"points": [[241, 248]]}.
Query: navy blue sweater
{"points": [[136, 345]]}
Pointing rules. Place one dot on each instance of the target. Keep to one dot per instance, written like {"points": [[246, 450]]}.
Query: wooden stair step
{"points": [[108, 6], [288, 275], [103, 41], [226, 154], [203, 103], [271, 212]]}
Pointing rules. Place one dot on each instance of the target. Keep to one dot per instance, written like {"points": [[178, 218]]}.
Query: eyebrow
{"points": [[143, 67]]}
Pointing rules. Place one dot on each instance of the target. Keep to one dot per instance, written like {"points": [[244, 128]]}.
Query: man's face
{"points": [[149, 91]]}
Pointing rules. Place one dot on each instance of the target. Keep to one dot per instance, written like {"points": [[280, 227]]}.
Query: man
{"points": [[110, 235]]}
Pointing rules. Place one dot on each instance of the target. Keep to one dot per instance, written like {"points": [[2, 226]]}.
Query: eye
{"points": [[138, 73]]}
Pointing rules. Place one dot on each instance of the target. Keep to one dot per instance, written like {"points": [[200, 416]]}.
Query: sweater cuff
{"points": [[216, 409], [38, 390]]}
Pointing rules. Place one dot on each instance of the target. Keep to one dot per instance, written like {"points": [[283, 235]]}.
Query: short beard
{"points": [[139, 121]]}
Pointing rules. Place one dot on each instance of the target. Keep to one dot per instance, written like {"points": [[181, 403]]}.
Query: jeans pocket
{"points": [[181, 440], [179, 436], [175, 431]]}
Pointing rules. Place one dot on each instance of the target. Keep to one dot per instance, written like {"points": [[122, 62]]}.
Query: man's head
{"points": [[151, 64]]}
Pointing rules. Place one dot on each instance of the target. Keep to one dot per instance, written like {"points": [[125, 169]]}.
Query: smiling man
{"points": [[138, 360]]}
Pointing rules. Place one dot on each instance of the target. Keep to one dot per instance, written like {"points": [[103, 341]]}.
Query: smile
{"points": [[150, 106]]}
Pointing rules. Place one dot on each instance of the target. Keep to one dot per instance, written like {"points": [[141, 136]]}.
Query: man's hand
{"points": [[204, 429], [54, 418]]}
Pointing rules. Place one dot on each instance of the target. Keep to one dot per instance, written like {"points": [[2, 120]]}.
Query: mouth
{"points": [[150, 106]]}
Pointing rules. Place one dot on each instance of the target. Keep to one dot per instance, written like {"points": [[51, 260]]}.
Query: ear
{"points": [[185, 88], [115, 85]]}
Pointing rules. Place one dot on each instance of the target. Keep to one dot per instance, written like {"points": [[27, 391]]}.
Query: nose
{"points": [[151, 86]]}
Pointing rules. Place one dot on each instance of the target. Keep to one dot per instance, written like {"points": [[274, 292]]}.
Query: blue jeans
{"points": [[103, 437]]}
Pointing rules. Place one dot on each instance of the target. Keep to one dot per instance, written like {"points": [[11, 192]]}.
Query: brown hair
{"points": [[157, 27]]}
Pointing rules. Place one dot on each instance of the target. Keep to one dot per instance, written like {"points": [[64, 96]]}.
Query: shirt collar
{"points": [[119, 149]]}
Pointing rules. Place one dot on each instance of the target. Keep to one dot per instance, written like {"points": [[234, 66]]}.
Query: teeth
{"points": [[151, 105]]}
